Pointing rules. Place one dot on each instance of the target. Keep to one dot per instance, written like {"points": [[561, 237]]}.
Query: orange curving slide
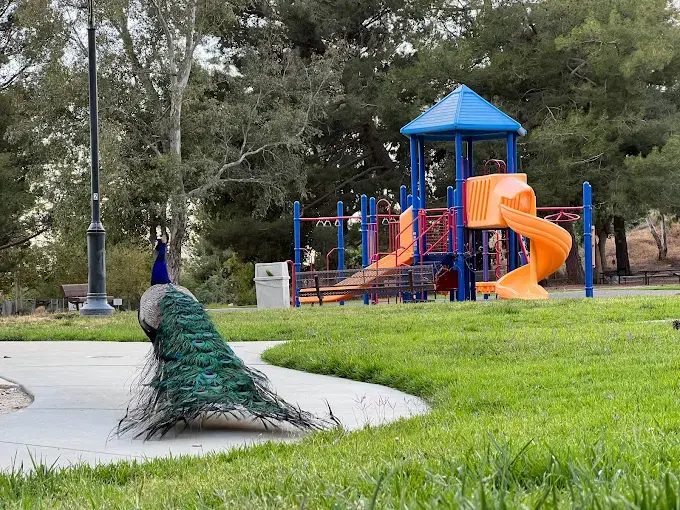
{"points": [[550, 245], [507, 201], [403, 256]]}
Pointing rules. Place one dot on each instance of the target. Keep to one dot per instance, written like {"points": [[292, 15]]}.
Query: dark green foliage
{"points": [[193, 374], [216, 276]]}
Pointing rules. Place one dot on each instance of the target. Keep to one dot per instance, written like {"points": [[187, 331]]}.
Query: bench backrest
{"points": [[74, 290]]}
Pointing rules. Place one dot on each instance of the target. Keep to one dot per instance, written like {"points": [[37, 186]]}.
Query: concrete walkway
{"points": [[81, 390]]}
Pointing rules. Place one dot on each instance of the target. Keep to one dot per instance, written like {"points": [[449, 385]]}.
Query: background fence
{"points": [[57, 305]]}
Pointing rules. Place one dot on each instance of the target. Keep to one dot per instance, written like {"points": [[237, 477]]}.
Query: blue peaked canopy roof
{"points": [[466, 112]]}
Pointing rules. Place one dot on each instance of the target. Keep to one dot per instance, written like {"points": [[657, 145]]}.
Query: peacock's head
{"points": [[161, 242]]}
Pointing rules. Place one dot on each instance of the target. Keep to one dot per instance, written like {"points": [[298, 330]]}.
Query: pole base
{"points": [[96, 306]]}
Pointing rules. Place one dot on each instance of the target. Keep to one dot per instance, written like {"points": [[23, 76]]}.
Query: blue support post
{"points": [[372, 233], [341, 241], [460, 227], [472, 266], [512, 153], [450, 204], [415, 192], [485, 254], [588, 236], [298, 250], [422, 200], [522, 258], [422, 187], [407, 297], [512, 169], [364, 236], [404, 202], [422, 190], [512, 249], [472, 292], [372, 229]]}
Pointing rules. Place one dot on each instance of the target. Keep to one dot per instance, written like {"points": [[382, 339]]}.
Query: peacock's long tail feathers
{"points": [[192, 373]]}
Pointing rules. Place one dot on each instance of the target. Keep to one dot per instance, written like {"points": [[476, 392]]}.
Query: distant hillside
{"points": [[642, 249]]}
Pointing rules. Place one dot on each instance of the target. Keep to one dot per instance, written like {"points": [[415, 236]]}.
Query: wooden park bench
{"points": [[76, 293]]}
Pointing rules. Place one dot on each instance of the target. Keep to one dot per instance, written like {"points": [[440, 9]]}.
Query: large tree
{"points": [[593, 82], [359, 149], [179, 121], [29, 37]]}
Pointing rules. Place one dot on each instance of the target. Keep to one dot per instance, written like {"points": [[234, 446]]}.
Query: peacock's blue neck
{"points": [[159, 273]]}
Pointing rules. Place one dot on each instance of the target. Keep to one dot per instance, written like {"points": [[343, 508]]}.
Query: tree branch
{"points": [[191, 42], [5, 8], [8, 82], [169, 40], [345, 183], [73, 34], [218, 179], [142, 72], [24, 240], [244, 155]]}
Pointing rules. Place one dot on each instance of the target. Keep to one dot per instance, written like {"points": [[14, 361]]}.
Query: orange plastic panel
{"points": [[485, 194], [486, 287]]}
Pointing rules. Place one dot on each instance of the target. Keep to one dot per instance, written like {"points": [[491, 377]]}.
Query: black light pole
{"points": [[96, 304]]}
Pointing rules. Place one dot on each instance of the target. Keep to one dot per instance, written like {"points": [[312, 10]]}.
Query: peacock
{"points": [[192, 373]]}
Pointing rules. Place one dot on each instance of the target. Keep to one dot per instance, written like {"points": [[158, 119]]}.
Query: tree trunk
{"points": [[178, 202], [603, 229], [602, 236], [622, 261], [380, 154], [153, 235], [574, 264], [656, 236], [664, 236], [178, 229]]}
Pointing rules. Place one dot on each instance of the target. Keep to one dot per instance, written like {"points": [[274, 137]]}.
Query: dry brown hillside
{"points": [[642, 249]]}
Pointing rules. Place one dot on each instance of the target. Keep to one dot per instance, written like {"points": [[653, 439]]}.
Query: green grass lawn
{"points": [[567, 403], [122, 327]]}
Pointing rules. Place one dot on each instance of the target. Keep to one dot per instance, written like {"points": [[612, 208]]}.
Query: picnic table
{"points": [[644, 275], [648, 274]]}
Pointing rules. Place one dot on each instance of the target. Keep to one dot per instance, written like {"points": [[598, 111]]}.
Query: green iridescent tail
{"points": [[193, 374]]}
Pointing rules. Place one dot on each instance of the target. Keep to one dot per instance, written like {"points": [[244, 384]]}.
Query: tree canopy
{"points": [[216, 116]]}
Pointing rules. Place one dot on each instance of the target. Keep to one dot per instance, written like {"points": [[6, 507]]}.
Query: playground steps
{"points": [[437, 240], [379, 282], [486, 287]]}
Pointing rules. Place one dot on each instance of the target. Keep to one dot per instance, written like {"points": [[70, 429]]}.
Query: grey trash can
{"points": [[272, 286]]}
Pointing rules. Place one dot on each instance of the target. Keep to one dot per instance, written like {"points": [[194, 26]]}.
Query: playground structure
{"points": [[438, 249]]}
